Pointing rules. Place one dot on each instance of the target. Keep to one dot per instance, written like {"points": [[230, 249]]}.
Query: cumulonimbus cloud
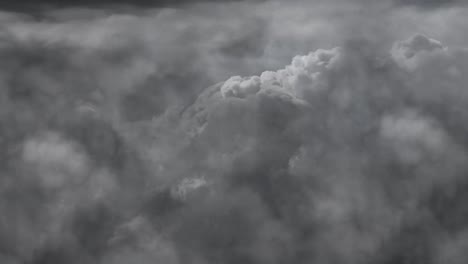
{"points": [[116, 152], [372, 148]]}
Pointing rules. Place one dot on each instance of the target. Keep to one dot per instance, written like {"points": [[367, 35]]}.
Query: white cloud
{"points": [[240, 87], [306, 74]]}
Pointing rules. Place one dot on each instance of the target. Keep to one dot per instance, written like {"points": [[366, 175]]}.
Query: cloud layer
{"points": [[115, 151]]}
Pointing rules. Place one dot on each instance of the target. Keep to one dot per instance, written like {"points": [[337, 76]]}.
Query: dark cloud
{"points": [[38, 6], [338, 132], [115, 151], [430, 3]]}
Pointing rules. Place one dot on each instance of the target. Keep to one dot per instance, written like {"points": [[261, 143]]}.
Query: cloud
{"points": [[375, 117], [306, 74], [60, 161], [34, 6], [115, 150], [410, 52], [429, 3], [415, 136]]}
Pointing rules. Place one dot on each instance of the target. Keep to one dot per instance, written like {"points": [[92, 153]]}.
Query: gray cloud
{"points": [[429, 3], [116, 152]]}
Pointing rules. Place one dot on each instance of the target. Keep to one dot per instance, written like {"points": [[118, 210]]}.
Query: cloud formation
{"points": [[306, 74], [367, 156], [116, 152]]}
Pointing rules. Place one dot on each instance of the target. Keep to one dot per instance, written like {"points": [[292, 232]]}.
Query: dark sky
{"points": [[27, 5], [429, 3], [31, 6]]}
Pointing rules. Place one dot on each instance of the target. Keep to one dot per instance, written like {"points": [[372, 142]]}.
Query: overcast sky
{"points": [[227, 132]]}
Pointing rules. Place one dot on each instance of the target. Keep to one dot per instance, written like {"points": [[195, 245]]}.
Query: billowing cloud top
{"points": [[304, 74]]}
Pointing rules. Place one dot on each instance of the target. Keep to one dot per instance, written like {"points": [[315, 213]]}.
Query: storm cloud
{"points": [[233, 132]]}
